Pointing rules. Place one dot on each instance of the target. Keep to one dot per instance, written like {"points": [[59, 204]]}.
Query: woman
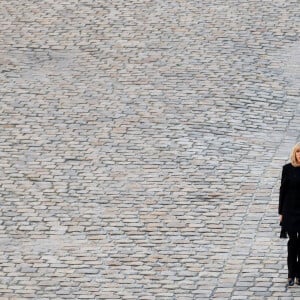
{"points": [[289, 211]]}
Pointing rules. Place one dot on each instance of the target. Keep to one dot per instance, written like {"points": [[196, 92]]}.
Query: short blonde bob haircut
{"points": [[293, 158]]}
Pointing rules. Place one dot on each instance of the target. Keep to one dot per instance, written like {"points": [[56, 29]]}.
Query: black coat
{"points": [[289, 198]]}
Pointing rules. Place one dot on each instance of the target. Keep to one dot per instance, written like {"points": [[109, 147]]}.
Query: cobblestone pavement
{"points": [[141, 148]]}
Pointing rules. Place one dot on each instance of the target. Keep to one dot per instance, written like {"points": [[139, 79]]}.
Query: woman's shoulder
{"points": [[287, 166]]}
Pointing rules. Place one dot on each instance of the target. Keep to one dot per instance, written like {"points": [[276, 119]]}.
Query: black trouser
{"points": [[293, 259]]}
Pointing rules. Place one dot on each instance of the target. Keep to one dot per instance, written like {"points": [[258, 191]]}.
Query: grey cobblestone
{"points": [[141, 148]]}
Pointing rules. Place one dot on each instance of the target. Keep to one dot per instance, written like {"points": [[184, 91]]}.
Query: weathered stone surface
{"points": [[141, 148]]}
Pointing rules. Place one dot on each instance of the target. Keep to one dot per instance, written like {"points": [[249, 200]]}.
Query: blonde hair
{"points": [[293, 158]]}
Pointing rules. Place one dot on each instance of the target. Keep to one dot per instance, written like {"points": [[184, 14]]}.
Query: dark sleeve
{"points": [[282, 190]]}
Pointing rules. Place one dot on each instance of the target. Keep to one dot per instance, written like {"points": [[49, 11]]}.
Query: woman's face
{"points": [[298, 155]]}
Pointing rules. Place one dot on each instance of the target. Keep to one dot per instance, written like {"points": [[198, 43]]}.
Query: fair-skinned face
{"points": [[298, 155]]}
